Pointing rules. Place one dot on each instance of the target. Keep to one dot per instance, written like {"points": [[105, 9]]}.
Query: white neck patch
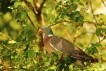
{"points": [[50, 35]]}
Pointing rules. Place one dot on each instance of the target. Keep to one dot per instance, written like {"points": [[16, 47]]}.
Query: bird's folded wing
{"points": [[62, 45]]}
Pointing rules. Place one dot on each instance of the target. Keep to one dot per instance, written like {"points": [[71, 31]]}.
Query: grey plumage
{"points": [[54, 43]]}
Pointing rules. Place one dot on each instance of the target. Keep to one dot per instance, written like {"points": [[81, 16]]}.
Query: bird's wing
{"points": [[62, 45], [66, 47]]}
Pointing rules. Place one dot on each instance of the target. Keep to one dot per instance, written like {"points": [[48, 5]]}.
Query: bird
{"points": [[55, 43]]}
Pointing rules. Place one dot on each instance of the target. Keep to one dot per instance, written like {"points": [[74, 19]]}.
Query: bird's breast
{"points": [[47, 45]]}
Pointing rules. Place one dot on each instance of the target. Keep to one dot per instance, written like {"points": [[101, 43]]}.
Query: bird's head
{"points": [[47, 31]]}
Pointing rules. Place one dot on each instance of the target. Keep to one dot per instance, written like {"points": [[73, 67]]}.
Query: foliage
{"points": [[19, 37]]}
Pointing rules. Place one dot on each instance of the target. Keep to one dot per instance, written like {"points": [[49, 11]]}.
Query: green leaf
{"points": [[80, 3], [77, 13], [19, 8], [30, 33], [94, 50], [61, 16], [98, 31], [51, 62], [71, 1], [104, 37], [52, 19], [66, 68], [30, 53], [59, 68], [75, 6], [73, 17], [76, 69], [56, 7], [23, 16], [103, 29], [11, 42], [88, 63], [18, 15], [76, 0], [80, 19], [96, 44], [53, 67], [16, 4]]}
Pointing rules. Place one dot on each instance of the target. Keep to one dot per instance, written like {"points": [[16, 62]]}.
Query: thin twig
{"points": [[30, 20], [30, 6], [10, 50], [103, 3], [98, 39], [4, 69], [90, 22], [60, 21], [70, 21], [37, 31], [68, 35], [93, 13], [102, 39], [57, 1], [5, 36], [92, 38], [76, 34]]}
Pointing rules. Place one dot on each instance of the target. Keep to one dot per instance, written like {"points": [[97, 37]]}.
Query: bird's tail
{"points": [[93, 60], [85, 58]]}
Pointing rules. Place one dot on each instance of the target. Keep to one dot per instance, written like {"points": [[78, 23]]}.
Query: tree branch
{"points": [[30, 20], [60, 21], [12, 68], [103, 3], [5, 36], [102, 39], [93, 13], [70, 21], [30, 6], [41, 6], [36, 5], [92, 38]]}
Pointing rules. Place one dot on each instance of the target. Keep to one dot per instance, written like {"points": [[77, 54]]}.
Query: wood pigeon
{"points": [[54, 43]]}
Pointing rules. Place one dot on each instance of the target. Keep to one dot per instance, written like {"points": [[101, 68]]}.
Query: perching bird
{"points": [[54, 43]]}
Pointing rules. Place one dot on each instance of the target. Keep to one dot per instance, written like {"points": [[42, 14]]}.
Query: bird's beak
{"points": [[39, 31]]}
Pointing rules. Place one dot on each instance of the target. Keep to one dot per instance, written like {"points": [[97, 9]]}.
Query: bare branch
{"points": [[103, 3], [10, 50], [41, 6], [93, 34], [75, 37], [70, 21], [56, 1], [5, 36], [68, 35], [30, 6], [36, 4], [99, 39], [60, 21], [30, 20], [12, 68], [93, 13], [102, 39]]}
